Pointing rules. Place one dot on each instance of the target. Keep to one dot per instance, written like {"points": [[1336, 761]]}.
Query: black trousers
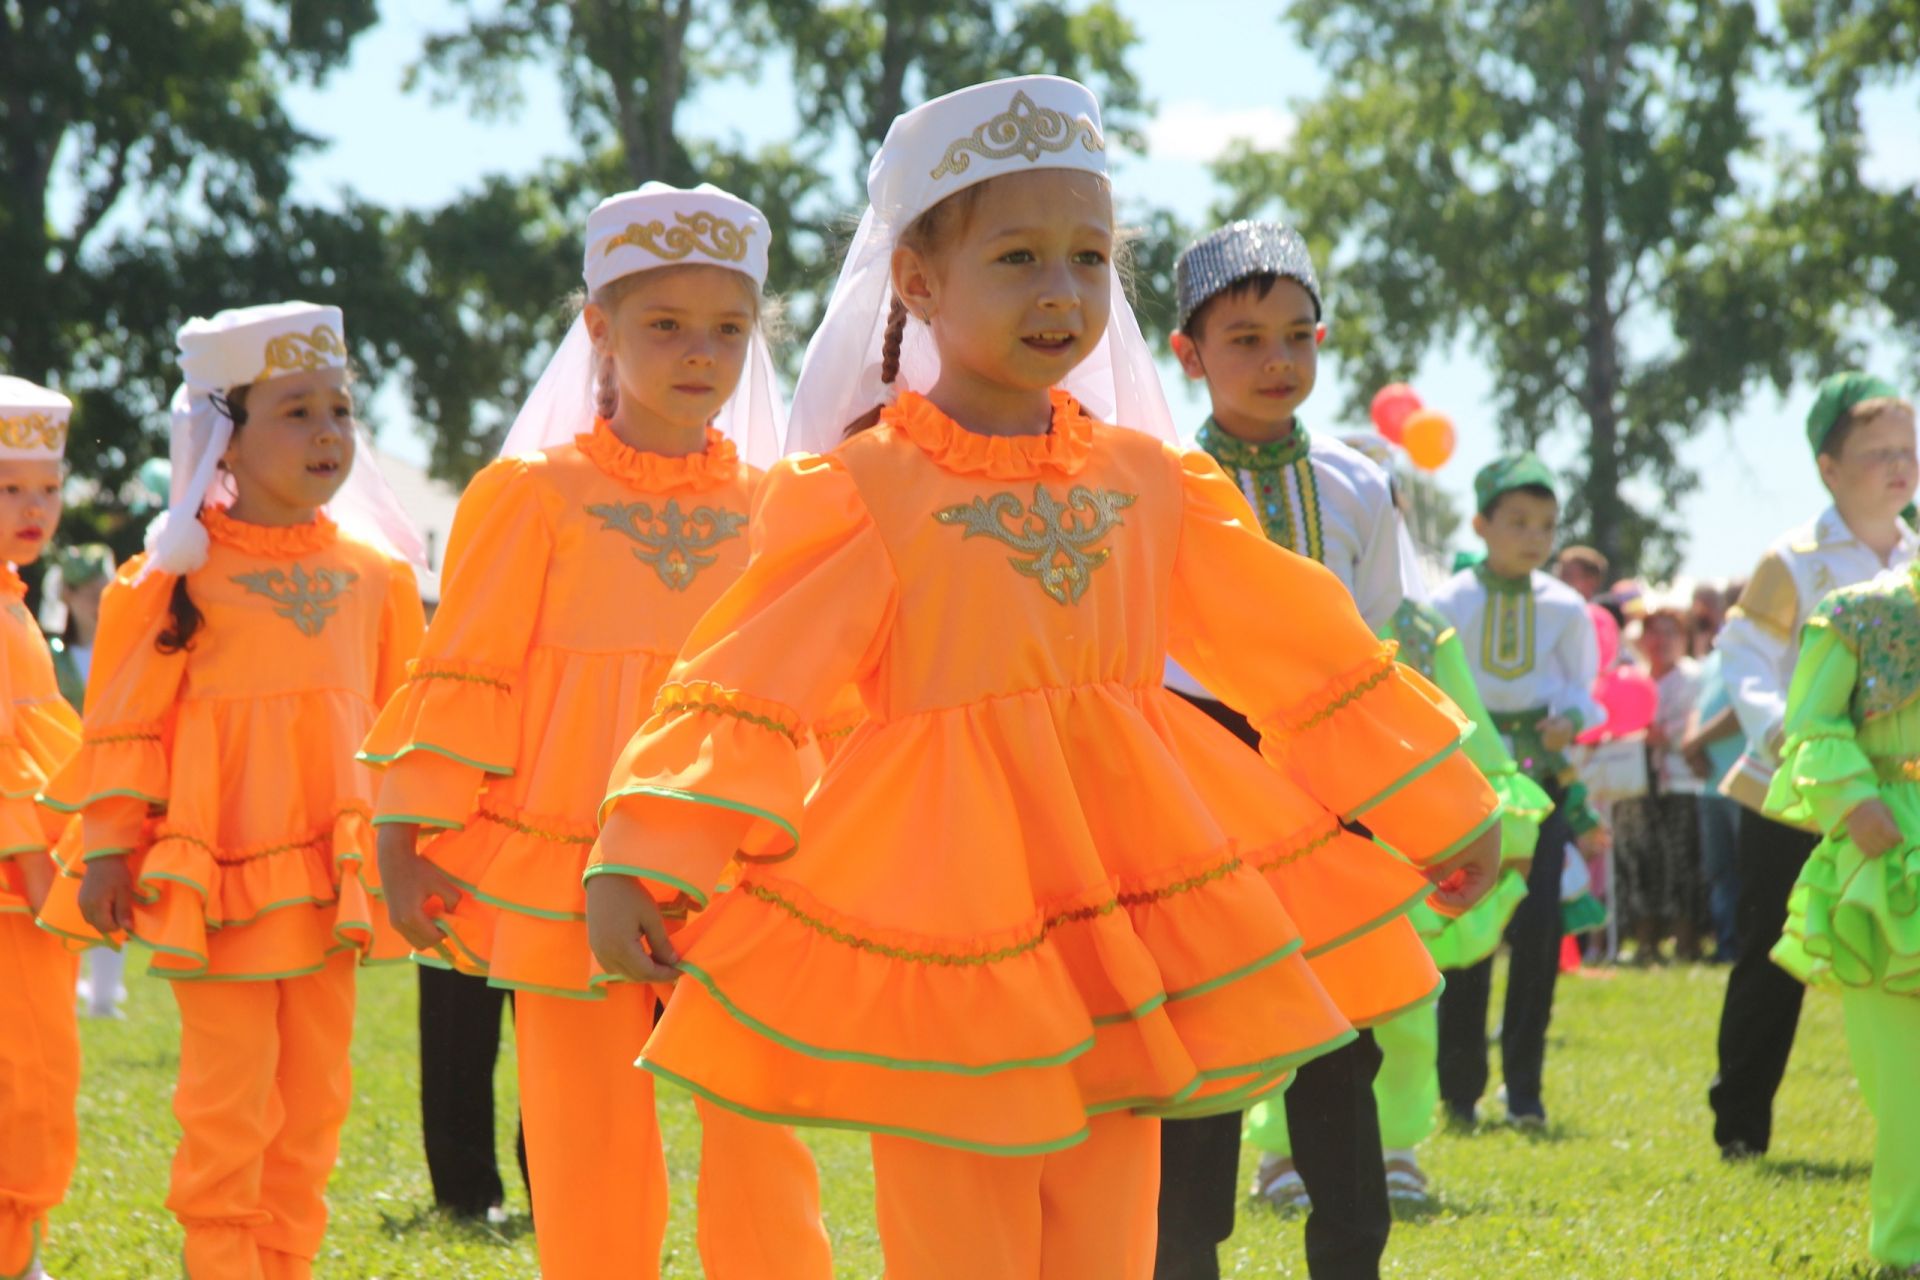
{"points": [[1336, 1147], [1533, 941], [1762, 1008], [459, 1043]]}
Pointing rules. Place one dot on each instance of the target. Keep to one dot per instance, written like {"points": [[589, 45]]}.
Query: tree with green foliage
{"points": [[626, 69], [1578, 190], [145, 165]]}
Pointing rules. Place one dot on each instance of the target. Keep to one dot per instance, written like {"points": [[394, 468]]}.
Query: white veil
{"points": [[938, 148]]}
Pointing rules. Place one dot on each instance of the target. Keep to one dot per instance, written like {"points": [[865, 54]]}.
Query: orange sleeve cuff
{"points": [[112, 825], [428, 788]]}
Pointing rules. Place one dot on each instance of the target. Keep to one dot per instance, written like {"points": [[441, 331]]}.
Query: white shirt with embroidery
{"points": [[1530, 650], [1334, 506], [1761, 640]]}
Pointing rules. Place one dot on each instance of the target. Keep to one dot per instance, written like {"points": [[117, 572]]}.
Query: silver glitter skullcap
{"points": [[1240, 249]]}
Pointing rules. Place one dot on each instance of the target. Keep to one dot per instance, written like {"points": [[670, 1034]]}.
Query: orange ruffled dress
{"points": [[542, 662], [227, 771], [1032, 886], [39, 732]]}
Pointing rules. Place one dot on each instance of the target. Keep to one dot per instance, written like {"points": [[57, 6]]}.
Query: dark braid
{"points": [[184, 618], [890, 345]]}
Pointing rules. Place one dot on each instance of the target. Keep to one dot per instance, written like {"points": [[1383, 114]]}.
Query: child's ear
{"points": [[599, 327], [1187, 352], [1480, 526], [1828, 465], [913, 282], [1320, 335]]}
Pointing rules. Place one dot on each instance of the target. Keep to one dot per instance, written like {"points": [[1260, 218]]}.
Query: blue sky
{"points": [[1207, 90]]}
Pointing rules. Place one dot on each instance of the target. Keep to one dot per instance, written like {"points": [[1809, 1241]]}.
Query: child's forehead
{"points": [[1518, 504], [272, 392], [1043, 198], [690, 285], [1242, 305], [29, 471]]}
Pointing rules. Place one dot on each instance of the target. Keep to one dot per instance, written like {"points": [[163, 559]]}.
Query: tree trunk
{"points": [[1599, 396]]}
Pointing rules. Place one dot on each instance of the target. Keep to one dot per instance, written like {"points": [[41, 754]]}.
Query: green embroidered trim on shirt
{"points": [[1058, 537], [1509, 626], [673, 541], [1420, 629], [305, 599], [1261, 469], [1879, 622]]}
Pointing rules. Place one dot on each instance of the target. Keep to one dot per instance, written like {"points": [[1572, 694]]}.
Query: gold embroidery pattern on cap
{"points": [[34, 431], [1058, 537], [306, 599], [1023, 129], [673, 542], [302, 352], [705, 233]]}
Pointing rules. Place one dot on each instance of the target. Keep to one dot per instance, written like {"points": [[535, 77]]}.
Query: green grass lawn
{"points": [[1625, 1182]]}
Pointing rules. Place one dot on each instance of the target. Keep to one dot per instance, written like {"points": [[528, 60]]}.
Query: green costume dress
{"points": [[1407, 1088], [1852, 734]]}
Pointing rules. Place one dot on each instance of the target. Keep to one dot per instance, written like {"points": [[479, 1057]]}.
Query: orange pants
{"points": [[600, 1176], [264, 1088], [39, 1081], [1091, 1210]]}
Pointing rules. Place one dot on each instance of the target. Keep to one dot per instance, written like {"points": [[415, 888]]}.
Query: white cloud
{"points": [[1199, 132]]}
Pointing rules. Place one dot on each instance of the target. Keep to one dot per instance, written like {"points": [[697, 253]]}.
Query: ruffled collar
{"points": [[12, 585], [1498, 584], [1235, 454], [279, 541], [713, 466], [1065, 447]]}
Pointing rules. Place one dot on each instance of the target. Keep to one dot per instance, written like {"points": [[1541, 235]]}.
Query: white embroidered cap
{"points": [[252, 344], [661, 226], [238, 348], [1007, 126], [33, 422]]}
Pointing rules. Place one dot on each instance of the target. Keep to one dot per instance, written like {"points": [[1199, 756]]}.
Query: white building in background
{"points": [[430, 504]]}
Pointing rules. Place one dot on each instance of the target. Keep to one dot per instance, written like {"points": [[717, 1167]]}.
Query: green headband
{"points": [[1838, 393], [1514, 471]]}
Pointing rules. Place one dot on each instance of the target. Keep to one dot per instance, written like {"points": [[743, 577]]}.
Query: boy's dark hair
{"points": [[1855, 416], [184, 618], [1259, 284], [1532, 490]]}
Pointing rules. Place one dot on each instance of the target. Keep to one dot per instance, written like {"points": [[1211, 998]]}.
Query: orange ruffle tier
{"points": [[1083, 968], [227, 887]]}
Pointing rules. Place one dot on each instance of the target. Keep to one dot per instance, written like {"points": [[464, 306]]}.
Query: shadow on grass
{"points": [[433, 1220], [1815, 1171]]}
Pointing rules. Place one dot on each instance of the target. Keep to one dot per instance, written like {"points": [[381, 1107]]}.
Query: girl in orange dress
{"points": [[40, 1046], [1035, 901], [225, 822], [577, 566]]}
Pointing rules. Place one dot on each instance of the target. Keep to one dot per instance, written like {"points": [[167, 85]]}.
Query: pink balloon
{"points": [[1393, 404], [1630, 697]]}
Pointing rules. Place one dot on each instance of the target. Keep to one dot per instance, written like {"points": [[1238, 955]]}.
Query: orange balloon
{"points": [[1428, 439]]}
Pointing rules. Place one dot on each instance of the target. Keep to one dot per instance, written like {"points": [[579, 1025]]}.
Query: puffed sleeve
{"points": [[121, 769], [1576, 661], [455, 717], [720, 759], [1757, 647], [403, 624], [1824, 774], [1367, 737]]}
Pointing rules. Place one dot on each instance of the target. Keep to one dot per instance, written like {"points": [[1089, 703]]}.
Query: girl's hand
{"points": [[1465, 878], [409, 881], [106, 895], [620, 914], [1556, 733], [1872, 829], [37, 873]]}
